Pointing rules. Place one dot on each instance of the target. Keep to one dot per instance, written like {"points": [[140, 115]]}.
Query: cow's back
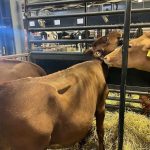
{"points": [[14, 69]]}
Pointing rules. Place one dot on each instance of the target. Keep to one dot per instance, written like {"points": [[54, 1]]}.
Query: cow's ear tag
{"points": [[148, 54]]}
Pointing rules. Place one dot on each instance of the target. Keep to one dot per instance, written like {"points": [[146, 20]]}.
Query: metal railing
{"points": [[24, 56], [119, 12]]}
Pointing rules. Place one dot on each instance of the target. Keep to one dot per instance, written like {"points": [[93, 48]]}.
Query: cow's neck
{"points": [[145, 65], [139, 61]]}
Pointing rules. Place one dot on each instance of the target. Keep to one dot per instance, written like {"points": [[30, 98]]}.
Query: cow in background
{"points": [[138, 58], [15, 69], [55, 109], [137, 54]]}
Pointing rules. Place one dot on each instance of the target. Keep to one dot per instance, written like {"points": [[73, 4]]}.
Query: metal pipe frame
{"points": [[61, 2], [127, 99], [127, 21], [89, 14], [118, 26], [14, 56], [59, 56], [116, 107], [25, 55], [63, 41], [130, 89], [85, 22], [27, 26], [130, 92]]}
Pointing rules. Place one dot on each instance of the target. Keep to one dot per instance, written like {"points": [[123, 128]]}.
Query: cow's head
{"points": [[108, 43], [137, 52]]}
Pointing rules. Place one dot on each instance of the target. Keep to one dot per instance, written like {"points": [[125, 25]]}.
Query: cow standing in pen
{"points": [[56, 109], [137, 54]]}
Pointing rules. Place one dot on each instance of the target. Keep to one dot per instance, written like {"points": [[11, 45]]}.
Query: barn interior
{"points": [[55, 34]]}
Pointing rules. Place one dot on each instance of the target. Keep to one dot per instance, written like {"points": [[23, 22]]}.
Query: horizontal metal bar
{"points": [[117, 26], [62, 41], [127, 99], [132, 92], [76, 28], [76, 15], [88, 14], [115, 88], [59, 2], [109, 106], [14, 56], [69, 56]]}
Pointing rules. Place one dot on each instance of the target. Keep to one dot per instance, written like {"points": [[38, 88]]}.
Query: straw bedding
{"points": [[136, 137]]}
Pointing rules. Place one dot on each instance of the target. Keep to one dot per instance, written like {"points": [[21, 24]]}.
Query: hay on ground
{"points": [[137, 131], [136, 136]]}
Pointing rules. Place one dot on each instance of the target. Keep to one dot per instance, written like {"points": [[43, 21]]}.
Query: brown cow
{"points": [[15, 69], [137, 58], [108, 43], [137, 54], [55, 109], [105, 44]]}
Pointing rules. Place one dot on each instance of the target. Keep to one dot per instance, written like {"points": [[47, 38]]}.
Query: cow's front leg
{"points": [[100, 115], [100, 127]]}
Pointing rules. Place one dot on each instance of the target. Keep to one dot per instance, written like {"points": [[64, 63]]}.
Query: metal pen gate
{"points": [[36, 56]]}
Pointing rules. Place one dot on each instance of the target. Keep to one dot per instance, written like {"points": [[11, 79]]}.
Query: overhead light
{"points": [[140, 1]]}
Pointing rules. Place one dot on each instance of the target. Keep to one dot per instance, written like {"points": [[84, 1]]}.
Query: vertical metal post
{"points": [[85, 23], [124, 73], [27, 25]]}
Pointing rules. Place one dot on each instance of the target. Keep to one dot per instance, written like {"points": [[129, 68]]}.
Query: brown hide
{"points": [[145, 101], [107, 43], [137, 54], [55, 109], [143, 42], [15, 69], [137, 58]]}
